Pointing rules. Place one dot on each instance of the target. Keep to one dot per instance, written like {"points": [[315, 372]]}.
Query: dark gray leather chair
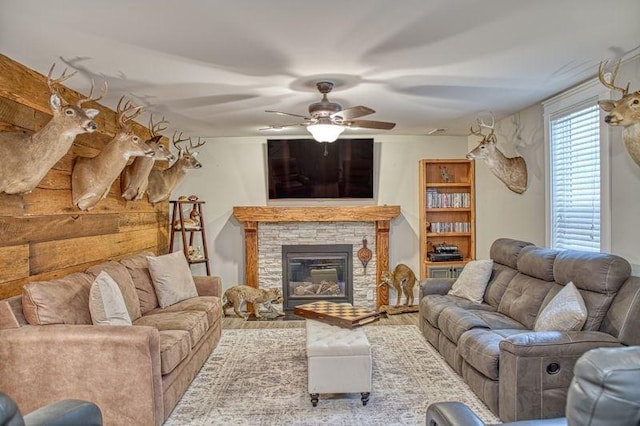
{"points": [[68, 412], [605, 390]]}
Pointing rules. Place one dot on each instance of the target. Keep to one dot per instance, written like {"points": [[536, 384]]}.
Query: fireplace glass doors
{"points": [[316, 272]]}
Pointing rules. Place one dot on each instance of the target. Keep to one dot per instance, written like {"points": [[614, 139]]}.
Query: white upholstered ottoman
{"points": [[339, 360]]}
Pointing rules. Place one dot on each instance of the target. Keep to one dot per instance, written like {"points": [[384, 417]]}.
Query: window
{"points": [[577, 170]]}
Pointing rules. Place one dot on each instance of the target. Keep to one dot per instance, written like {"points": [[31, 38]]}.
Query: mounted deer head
{"points": [[27, 158], [135, 177], [163, 182], [511, 171], [624, 112], [91, 178]]}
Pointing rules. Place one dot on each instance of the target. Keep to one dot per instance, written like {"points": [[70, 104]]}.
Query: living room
{"points": [[432, 67]]}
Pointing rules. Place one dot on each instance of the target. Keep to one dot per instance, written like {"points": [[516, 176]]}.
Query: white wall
{"points": [[501, 212], [233, 174]]}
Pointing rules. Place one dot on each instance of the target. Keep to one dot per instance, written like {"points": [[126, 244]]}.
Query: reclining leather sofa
{"points": [[50, 349], [518, 373], [604, 391]]}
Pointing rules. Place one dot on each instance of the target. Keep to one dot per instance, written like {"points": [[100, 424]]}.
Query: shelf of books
{"points": [[447, 215]]}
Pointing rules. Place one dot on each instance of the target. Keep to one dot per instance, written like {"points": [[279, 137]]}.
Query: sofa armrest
{"points": [[435, 286], [208, 285], [115, 367], [452, 414], [536, 369]]}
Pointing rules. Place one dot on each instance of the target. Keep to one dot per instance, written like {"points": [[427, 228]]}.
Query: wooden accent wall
{"points": [[42, 235]]}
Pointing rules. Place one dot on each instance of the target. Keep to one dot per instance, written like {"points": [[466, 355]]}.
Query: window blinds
{"points": [[575, 185]]}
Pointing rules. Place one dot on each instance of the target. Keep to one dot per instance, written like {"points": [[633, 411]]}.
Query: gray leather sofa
{"points": [[522, 374], [604, 391]]}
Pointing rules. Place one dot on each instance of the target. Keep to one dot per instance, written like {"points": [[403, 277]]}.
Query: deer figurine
{"points": [[624, 112], [135, 177], [511, 171], [163, 182], [28, 158], [91, 178]]}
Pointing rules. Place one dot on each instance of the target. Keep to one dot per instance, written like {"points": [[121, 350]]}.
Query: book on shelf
{"points": [[457, 200]]}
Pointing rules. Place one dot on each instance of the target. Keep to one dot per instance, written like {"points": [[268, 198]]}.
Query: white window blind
{"points": [[575, 174]]}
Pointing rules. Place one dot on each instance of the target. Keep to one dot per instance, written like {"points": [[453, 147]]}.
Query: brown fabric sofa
{"points": [[50, 350], [522, 374]]}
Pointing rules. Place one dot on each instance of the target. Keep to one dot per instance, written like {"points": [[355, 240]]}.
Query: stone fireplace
{"points": [[267, 229], [316, 272]]}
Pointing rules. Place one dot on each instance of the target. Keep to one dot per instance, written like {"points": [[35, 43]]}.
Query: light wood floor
{"points": [[235, 322]]}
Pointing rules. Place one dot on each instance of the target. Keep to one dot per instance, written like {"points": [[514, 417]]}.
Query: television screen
{"points": [[304, 168]]}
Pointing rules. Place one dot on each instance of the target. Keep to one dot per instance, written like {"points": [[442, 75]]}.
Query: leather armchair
{"points": [[603, 391], [68, 412]]}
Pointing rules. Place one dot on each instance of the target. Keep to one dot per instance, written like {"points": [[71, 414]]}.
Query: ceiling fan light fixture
{"points": [[325, 132]]}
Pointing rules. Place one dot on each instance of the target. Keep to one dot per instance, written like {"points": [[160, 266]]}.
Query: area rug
{"points": [[259, 377]]}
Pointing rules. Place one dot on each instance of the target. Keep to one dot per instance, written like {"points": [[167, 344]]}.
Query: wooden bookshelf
{"points": [[447, 213]]}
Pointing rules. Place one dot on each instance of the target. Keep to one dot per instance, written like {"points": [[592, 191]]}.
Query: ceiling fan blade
{"points": [[370, 124], [288, 113], [353, 112], [278, 126]]}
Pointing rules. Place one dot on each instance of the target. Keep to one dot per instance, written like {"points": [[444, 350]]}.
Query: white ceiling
{"points": [[212, 67]]}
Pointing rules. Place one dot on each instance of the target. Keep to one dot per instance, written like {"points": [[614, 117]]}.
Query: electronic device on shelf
{"points": [[444, 257], [446, 248]]}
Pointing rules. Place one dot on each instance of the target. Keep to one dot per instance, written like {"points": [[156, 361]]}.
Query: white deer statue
{"points": [[91, 178], [624, 112], [26, 159], [135, 177], [511, 171], [163, 182]]}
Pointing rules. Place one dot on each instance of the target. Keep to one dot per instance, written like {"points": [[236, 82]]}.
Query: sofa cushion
{"points": [[175, 346], [598, 277], [432, 306], [138, 268], [208, 304], [523, 298], [498, 283], [172, 278], [565, 312], [453, 322], [480, 348], [505, 251], [537, 262], [121, 276], [106, 303], [61, 301], [195, 322], [473, 280]]}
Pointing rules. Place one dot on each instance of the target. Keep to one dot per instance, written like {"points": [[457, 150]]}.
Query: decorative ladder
{"points": [[177, 225]]}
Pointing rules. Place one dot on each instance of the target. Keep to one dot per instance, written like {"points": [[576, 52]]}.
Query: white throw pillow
{"points": [[473, 280], [565, 312], [106, 302], [172, 278]]}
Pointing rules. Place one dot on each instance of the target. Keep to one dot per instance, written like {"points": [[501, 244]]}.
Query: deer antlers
{"points": [[155, 128], [614, 73], [127, 112], [90, 97], [51, 82], [482, 124], [177, 139]]}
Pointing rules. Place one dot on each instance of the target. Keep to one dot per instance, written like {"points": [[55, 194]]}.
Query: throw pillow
{"points": [[565, 312], [106, 302], [171, 278], [473, 280]]}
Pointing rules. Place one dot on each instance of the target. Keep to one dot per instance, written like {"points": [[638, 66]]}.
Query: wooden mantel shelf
{"points": [[381, 215], [316, 214]]}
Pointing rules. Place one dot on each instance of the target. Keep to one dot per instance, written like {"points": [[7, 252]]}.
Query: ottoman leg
{"points": [[314, 399], [364, 397]]}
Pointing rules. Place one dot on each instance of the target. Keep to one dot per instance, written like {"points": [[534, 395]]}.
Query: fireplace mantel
{"points": [[251, 216]]}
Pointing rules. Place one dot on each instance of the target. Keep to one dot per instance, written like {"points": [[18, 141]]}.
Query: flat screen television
{"points": [[304, 168]]}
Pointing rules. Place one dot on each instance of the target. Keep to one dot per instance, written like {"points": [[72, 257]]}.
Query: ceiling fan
{"points": [[327, 120]]}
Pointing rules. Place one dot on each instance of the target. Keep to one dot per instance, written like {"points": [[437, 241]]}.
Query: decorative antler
{"points": [[51, 82], [482, 124], [155, 128], [614, 73], [127, 112], [198, 145], [177, 139], [90, 97]]}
